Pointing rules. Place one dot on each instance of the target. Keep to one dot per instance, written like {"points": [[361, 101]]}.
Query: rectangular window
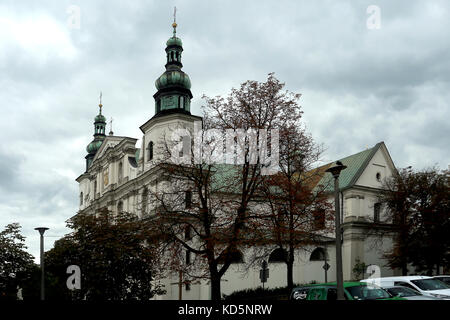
{"points": [[188, 257], [376, 212], [188, 199], [187, 233], [319, 220]]}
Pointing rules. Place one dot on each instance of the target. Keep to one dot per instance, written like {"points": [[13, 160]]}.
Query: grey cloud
{"points": [[359, 86]]}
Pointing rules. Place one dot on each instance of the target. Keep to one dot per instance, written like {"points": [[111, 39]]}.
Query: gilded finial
{"points": [[174, 24]]}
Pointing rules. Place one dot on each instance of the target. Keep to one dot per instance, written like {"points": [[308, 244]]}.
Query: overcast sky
{"points": [[360, 84]]}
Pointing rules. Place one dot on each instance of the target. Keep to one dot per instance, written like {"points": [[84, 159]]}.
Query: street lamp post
{"points": [[335, 171], [41, 232]]}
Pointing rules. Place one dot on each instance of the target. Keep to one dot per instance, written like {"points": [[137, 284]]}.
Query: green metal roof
{"points": [[355, 166], [225, 176], [174, 41]]}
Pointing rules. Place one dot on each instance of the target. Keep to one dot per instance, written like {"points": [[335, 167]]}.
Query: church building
{"points": [[118, 177]]}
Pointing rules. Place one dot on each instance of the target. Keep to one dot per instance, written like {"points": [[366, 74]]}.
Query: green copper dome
{"points": [[100, 118], [173, 78], [174, 41], [93, 147]]}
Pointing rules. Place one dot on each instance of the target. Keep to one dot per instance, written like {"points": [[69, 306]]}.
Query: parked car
{"points": [[352, 291], [425, 285], [443, 278], [408, 293]]}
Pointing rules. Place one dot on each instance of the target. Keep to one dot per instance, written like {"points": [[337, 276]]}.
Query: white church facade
{"points": [[119, 175]]}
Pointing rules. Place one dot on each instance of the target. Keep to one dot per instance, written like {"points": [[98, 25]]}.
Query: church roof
{"points": [[224, 178], [356, 163]]}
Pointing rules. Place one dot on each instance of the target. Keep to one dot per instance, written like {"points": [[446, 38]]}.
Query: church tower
{"points": [[174, 94], [172, 105], [99, 136]]}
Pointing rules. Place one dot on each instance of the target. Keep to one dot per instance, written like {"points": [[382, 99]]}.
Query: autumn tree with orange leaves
{"points": [[298, 210], [208, 210]]}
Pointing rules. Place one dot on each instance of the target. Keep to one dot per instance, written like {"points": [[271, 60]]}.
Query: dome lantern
{"points": [[174, 94]]}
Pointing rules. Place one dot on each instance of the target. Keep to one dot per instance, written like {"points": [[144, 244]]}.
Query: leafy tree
{"points": [[299, 211], [116, 256], [15, 263], [223, 209], [418, 203]]}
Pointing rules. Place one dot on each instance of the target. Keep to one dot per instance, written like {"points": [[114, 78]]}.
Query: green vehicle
{"points": [[352, 291]]}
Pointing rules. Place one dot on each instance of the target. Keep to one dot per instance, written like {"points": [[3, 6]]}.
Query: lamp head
{"points": [[41, 230], [336, 169]]}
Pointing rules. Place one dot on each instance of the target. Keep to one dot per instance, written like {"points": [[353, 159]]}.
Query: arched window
{"points": [[376, 212], [150, 151], [318, 254], [278, 255], [120, 171], [120, 207], [236, 257], [81, 198]]}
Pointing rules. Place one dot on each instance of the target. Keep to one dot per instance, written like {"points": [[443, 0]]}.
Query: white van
{"points": [[426, 285]]}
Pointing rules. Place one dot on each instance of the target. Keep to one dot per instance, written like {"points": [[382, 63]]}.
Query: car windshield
{"points": [[403, 292], [430, 284], [367, 292]]}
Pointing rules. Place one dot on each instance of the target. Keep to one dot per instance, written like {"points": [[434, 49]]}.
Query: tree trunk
{"points": [[290, 268], [215, 288], [290, 278]]}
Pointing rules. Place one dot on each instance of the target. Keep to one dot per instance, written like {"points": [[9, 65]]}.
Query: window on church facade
{"points": [[81, 198], [319, 220], [376, 212], [318, 254], [150, 151], [278, 255], [236, 257], [120, 171], [187, 233], [120, 207], [188, 199], [188, 257], [144, 201]]}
